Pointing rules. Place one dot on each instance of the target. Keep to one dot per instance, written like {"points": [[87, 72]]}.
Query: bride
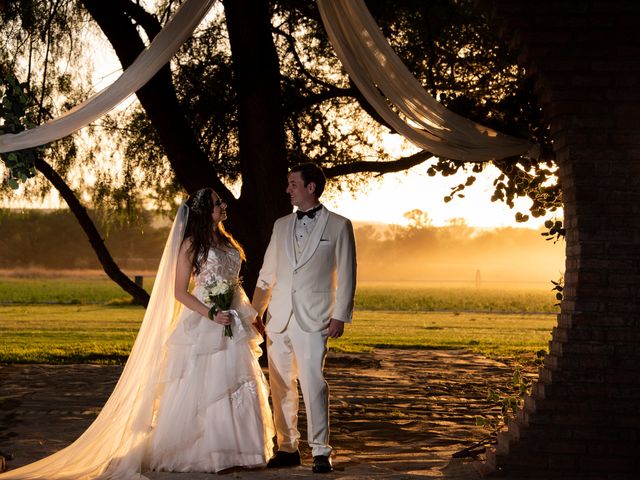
{"points": [[192, 396]]}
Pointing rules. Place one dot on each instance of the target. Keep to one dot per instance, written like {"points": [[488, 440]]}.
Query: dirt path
{"points": [[394, 414]]}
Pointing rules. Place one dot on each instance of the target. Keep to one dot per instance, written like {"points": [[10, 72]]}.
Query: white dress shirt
{"points": [[304, 227]]}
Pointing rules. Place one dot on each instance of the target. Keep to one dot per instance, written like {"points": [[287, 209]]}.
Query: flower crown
{"points": [[199, 199]]}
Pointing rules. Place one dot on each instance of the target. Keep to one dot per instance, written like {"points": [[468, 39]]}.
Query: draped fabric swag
{"points": [[398, 97], [153, 58], [377, 71]]}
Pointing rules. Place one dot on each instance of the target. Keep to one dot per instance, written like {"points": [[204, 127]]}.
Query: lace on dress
{"points": [[221, 264], [214, 411]]}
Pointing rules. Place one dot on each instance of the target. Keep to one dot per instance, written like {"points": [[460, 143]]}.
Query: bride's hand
{"points": [[222, 317]]}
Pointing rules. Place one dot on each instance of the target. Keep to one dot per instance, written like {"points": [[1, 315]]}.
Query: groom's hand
{"points": [[336, 328], [259, 324]]}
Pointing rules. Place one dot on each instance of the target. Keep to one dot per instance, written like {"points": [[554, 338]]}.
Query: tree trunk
{"points": [[110, 267], [261, 129], [157, 97], [263, 154], [262, 141]]}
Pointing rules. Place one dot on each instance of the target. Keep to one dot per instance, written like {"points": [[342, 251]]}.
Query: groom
{"points": [[308, 281]]}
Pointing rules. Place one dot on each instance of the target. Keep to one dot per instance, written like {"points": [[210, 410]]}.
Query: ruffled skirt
{"points": [[212, 410]]}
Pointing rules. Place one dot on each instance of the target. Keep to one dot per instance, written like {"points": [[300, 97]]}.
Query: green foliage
{"points": [[508, 399], [204, 83], [558, 287], [556, 230], [447, 44], [41, 76], [461, 62], [16, 107]]}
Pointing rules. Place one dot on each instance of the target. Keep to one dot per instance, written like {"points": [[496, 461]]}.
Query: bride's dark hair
{"points": [[200, 229]]}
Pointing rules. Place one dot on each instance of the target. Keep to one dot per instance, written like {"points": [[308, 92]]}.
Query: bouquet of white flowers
{"points": [[219, 294]]}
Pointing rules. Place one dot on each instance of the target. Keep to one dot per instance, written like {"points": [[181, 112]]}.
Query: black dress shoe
{"points": [[284, 459], [322, 464]]}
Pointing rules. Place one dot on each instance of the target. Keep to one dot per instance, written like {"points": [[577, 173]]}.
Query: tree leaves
{"points": [[556, 230], [15, 107], [447, 44]]}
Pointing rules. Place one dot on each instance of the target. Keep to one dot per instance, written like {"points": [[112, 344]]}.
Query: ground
{"points": [[395, 414]]}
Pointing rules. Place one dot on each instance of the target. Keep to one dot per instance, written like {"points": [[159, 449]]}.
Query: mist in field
{"points": [[457, 253], [33, 240]]}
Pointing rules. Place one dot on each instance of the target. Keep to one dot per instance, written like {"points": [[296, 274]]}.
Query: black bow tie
{"points": [[309, 213]]}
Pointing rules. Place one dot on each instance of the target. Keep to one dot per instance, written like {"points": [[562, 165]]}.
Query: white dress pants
{"points": [[298, 355]]}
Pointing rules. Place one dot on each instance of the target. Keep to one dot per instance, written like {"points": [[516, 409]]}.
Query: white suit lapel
{"points": [[314, 238], [290, 238]]}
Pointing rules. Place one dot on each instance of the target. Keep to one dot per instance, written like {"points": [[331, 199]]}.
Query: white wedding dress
{"points": [[188, 399], [213, 410]]}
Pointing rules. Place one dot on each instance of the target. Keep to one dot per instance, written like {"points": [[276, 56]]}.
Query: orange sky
{"points": [[387, 200]]}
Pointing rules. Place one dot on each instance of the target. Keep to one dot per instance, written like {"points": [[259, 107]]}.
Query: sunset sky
{"points": [[387, 200]]}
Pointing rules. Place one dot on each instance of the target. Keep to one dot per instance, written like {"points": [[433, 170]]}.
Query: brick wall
{"points": [[583, 418]]}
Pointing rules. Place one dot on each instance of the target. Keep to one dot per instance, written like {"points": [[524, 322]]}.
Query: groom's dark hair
{"points": [[311, 172]]}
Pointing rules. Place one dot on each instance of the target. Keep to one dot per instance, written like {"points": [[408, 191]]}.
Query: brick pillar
{"points": [[582, 420]]}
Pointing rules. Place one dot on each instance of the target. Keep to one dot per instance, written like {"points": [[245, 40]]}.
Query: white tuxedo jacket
{"points": [[319, 286]]}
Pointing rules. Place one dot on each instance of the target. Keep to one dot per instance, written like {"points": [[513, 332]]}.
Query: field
{"points": [[506, 298], [67, 290], [88, 319], [456, 297], [67, 333]]}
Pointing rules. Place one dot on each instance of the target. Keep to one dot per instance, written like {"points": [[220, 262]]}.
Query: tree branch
{"points": [[106, 260], [146, 20], [158, 97], [378, 167], [366, 106], [331, 90], [291, 41], [315, 98]]}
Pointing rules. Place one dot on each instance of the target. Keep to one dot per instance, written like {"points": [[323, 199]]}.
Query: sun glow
{"points": [[387, 200]]}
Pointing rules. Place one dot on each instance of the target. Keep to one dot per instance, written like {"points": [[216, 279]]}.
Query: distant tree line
{"points": [[455, 252], [54, 240], [419, 251]]}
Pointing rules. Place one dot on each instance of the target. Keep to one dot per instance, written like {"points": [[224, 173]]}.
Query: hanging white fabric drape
{"points": [[399, 98], [377, 71], [152, 59]]}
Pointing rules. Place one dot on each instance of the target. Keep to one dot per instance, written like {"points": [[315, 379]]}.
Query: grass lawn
{"points": [[491, 334], [421, 297], [64, 290], [418, 297], [67, 333], [105, 334]]}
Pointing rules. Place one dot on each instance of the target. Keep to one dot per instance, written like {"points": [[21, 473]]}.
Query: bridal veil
{"points": [[113, 447]]}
